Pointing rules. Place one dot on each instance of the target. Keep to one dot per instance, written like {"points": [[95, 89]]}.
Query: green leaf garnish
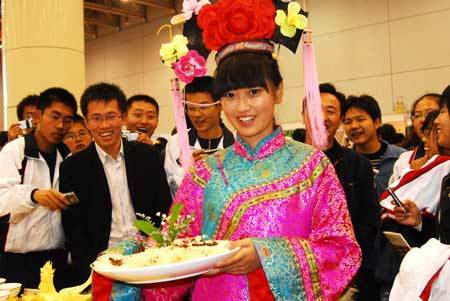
{"points": [[148, 228], [176, 210]]}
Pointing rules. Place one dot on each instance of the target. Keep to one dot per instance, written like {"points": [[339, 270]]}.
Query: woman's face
{"points": [[423, 107], [251, 112], [429, 140]]}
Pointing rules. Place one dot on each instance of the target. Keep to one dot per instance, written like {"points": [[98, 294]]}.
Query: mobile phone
{"points": [[72, 198], [210, 151], [395, 198]]}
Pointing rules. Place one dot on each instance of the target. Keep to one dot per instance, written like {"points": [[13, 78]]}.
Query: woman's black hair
{"points": [[413, 139], [246, 70], [429, 120], [428, 95], [445, 98]]}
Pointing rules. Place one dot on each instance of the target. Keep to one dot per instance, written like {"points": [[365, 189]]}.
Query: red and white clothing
{"points": [[423, 186], [403, 164], [424, 274]]}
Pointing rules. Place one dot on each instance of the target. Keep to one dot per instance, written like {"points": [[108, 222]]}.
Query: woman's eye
{"points": [[254, 92], [229, 95]]}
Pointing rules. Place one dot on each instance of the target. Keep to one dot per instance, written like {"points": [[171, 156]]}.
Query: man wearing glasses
{"points": [[30, 204], [113, 180], [207, 134], [78, 137]]}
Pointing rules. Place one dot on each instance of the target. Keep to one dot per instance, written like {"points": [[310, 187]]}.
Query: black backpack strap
{"points": [[22, 170], [192, 137]]}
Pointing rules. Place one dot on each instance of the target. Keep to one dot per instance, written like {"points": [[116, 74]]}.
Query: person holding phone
{"points": [[424, 194], [438, 224], [30, 204]]}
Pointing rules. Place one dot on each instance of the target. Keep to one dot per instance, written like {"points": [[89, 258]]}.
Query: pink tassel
{"points": [[180, 122], [316, 126]]}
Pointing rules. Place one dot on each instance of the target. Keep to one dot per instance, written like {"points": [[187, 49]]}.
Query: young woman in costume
{"points": [[278, 200]]}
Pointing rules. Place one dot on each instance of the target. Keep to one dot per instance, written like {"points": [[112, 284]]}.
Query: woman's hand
{"points": [[246, 260], [199, 154], [411, 217]]}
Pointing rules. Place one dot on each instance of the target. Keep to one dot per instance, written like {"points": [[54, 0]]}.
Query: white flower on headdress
{"points": [[293, 21], [193, 6]]}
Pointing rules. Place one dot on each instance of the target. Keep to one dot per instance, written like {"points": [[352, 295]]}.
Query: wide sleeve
{"points": [[15, 197], [320, 266], [190, 195]]}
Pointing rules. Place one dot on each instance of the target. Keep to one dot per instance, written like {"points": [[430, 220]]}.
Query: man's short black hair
{"points": [[103, 92], [77, 118], [366, 103], [387, 133], [445, 98], [204, 84], [52, 95], [30, 100], [331, 89], [144, 98]]}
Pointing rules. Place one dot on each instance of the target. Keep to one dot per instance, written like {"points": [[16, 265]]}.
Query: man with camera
{"points": [[26, 110], [30, 218]]}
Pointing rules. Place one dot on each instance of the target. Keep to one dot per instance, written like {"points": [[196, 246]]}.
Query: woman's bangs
{"points": [[239, 71]]}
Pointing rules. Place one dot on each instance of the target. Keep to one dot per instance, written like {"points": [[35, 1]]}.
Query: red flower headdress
{"points": [[231, 21], [231, 26]]}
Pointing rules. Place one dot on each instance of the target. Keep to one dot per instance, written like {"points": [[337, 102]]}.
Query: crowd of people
{"points": [[309, 222]]}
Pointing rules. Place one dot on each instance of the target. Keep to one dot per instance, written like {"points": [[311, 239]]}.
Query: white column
{"points": [[43, 47]]}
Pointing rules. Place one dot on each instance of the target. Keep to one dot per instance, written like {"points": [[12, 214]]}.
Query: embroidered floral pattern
{"points": [[263, 149], [281, 267]]}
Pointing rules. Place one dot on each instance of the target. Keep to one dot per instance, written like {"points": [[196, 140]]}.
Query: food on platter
{"points": [[180, 250], [160, 254]]}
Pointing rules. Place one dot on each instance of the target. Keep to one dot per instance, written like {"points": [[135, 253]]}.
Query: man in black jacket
{"points": [[113, 180], [356, 176]]}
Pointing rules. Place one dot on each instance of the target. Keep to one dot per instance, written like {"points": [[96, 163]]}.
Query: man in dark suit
{"points": [[113, 179], [356, 177]]}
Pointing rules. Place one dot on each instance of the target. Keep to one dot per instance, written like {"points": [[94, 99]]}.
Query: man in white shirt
{"points": [[30, 204], [113, 179], [207, 134]]}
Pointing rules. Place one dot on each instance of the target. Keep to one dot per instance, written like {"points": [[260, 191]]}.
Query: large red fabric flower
{"points": [[230, 21]]}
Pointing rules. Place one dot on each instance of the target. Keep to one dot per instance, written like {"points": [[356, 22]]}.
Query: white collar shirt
{"points": [[122, 215]]}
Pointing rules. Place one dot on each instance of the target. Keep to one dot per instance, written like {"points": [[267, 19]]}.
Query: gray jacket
{"points": [[385, 171]]}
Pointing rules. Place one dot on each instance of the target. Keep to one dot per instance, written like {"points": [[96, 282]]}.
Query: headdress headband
{"points": [[245, 46]]}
